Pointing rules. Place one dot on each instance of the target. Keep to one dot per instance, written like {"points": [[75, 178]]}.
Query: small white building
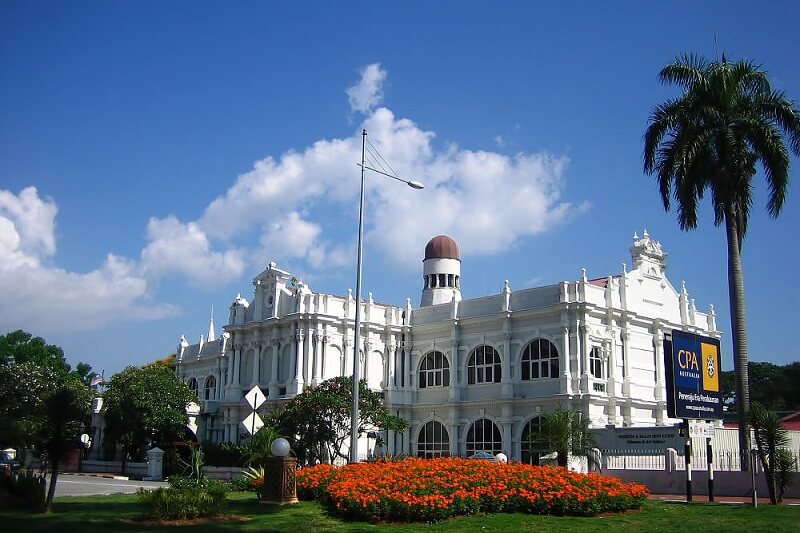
{"points": [[468, 375]]}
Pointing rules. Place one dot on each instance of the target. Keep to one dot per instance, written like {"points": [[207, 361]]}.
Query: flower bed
{"points": [[416, 490]]}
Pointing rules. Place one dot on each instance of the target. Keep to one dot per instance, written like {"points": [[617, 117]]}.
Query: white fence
{"points": [[725, 454]]}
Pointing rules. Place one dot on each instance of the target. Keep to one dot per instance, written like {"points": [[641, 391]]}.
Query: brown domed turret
{"points": [[442, 247]]}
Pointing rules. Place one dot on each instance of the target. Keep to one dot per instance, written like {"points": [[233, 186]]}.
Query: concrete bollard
{"points": [[155, 465]]}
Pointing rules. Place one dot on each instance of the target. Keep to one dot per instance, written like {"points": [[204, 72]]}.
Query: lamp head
{"points": [[415, 184]]}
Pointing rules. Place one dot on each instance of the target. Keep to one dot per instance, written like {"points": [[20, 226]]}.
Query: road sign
{"points": [[692, 364], [253, 423], [701, 428], [255, 397]]}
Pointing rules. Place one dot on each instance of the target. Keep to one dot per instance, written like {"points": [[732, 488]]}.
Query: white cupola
{"points": [[441, 272]]}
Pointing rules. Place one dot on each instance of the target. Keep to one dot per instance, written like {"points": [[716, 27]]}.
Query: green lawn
{"points": [[107, 514]]}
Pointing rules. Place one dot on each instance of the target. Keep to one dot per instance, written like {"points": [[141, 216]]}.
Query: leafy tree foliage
{"points": [[22, 347], [19, 347], [144, 407], [727, 123], [317, 422], [63, 411], [772, 440], [563, 431], [774, 387], [23, 388]]}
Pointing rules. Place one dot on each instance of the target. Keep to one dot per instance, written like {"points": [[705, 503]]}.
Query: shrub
{"points": [[184, 501], [312, 481], [27, 488], [433, 489]]}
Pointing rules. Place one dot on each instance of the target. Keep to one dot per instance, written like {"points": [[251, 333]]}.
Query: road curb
{"points": [[96, 474]]}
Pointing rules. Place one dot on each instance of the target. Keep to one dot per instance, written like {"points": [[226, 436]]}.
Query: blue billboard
{"points": [[692, 364]]}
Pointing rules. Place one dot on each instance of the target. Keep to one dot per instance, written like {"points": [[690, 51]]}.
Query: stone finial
{"points": [[583, 275], [369, 297], [506, 286], [624, 269], [683, 287], [349, 294]]}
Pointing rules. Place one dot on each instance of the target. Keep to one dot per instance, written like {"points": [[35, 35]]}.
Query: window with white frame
{"points": [[211, 386], [532, 441], [596, 362], [433, 441], [484, 436], [192, 383], [539, 360], [434, 371], [483, 366]]}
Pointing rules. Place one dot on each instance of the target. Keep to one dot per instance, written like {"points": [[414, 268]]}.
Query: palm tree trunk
{"points": [[51, 491], [739, 334]]}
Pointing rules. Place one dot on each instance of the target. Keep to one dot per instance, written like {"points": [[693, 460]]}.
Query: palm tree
{"points": [[727, 122]]}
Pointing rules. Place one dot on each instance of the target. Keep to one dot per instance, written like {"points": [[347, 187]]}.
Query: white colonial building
{"points": [[468, 375]]}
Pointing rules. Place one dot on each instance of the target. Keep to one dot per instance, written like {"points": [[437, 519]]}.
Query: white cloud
{"points": [[33, 220], [176, 247], [368, 92], [47, 299], [486, 200], [300, 208], [499, 140]]}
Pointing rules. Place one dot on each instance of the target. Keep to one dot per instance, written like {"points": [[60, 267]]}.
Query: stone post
{"points": [[280, 484], [155, 464]]}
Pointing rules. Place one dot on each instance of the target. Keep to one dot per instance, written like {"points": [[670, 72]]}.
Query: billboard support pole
{"points": [[687, 453], [710, 461]]}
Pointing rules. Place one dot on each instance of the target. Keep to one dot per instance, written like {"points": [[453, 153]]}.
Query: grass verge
{"points": [[102, 514]]}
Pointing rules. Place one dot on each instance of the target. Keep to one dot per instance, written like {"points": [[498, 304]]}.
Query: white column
{"points": [[507, 442], [584, 332], [229, 376], [237, 365], [273, 378], [565, 386], [317, 363], [612, 383], [256, 363], [507, 389], [659, 392], [297, 383]]}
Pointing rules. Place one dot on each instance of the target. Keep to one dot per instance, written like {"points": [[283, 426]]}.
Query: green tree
{"points": [[63, 411], [144, 407], [771, 442], [22, 347], [317, 421], [564, 432], [771, 385], [727, 122], [23, 387]]}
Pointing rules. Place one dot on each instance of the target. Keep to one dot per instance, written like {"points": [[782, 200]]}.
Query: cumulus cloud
{"points": [[486, 200], [299, 208], [54, 299], [368, 92], [175, 247]]}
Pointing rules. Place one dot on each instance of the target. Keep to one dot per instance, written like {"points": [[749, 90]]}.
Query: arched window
{"points": [[211, 386], [483, 366], [596, 363], [484, 436], [433, 441], [193, 385], [531, 441], [539, 360], [434, 371]]}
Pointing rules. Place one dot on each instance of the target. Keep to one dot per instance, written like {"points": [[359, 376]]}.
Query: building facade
{"points": [[468, 375]]}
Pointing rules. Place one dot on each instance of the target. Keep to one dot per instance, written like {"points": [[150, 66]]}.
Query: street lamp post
{"points": [[357, 340]]}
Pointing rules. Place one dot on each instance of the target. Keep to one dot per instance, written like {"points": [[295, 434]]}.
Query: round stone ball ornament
{"points": [[280, 447]]}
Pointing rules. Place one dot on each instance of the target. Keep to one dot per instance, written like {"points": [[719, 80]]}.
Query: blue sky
{"points": [[155, 156]]}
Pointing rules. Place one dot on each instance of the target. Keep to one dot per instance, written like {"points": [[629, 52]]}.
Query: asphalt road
{"points": [[72, 485]]}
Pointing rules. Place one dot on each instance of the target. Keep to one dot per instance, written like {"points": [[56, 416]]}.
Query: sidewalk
{"points": [[703, 498]]}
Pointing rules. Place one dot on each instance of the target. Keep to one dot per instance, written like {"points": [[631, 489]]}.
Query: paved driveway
{"points": [[72, 485]]}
